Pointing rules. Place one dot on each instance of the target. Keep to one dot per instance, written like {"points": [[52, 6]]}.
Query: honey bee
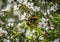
{"points": [[32, 20]]}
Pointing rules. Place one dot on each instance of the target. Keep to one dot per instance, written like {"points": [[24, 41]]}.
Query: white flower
{"points": [[34, 36], [23, 16], [56, 40], [1, 13], [41, 38], [20, 1], [19, 24], [47, 28], [11, 20], [48, 11], [52, 28], [53, 8], [21, 30], [43, 24], [31, 34], [7, 8], [15, 7], [43, 2], [0, 29], [10, 24], [33, 31], [40, 24], [27, 33], [16, 12], [1, 22], [3, 32], [36, 8], [5, 40], [43, 19], [44, 13], [10, 1], [25, 2], [17, 40], [29, 5]]}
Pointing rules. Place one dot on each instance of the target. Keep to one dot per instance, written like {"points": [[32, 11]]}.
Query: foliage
{"points": [[29, 20]]}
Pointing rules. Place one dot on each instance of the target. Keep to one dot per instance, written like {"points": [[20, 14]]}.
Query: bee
{"points": [[32, 20]]}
